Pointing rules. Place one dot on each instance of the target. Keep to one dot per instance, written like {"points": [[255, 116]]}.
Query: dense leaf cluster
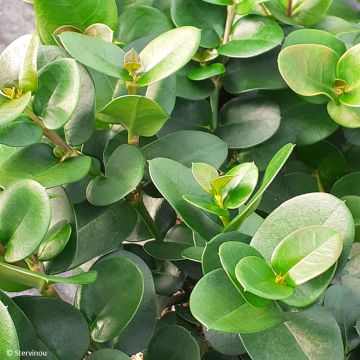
{"points": [[195, 164]]}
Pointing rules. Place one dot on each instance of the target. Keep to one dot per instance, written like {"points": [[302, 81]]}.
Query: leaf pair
{"points": [[159, 59], [301, 256], [228, 191]]}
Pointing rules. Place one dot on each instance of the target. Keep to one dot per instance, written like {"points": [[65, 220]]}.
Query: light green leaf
{"points": [[9, 339], [58, 93], [95, 53], [50, 16], [206, 72], [168, 53], [106, 304], [300, 68], [256, 276], [273, 168], [218, 305], [24, 219], [138, 114], [306, 253], [123, 172], [206, 203], [12, 109], [252, 35], [47, 170], [347, 116], [204, 175]]}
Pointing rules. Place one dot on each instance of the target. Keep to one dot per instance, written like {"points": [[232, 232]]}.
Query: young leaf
{"points": [[202, 73], [138, 114], [300, 67], [348, 69], [275, 165], [123, 172], [95, 53], [24, 219], [106, 304], [55, 241], [206, 203], [168, 53], [252, 35], [9, 339], [204, 175], [306, 253], [256, 276], [218, 305], [231, 253], [12, 109], [347, 116]]}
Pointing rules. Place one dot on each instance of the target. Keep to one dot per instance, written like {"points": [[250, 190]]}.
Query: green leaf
{"points": [[162, 347], [204, 175], [165, 250], [304, 12], [186, 12], [258, 117], [108, 354], [252, 35], [106, 305], [256, 276], [138, 114], [306, 253], [187, 147], [82, 14], [174, 180], [25, 218], [206, 203], [95, 53], [9, 343], [315, 36], [299, 212], [219, 2], [305, 336], [347, 185], [58, 93], [168, 53], [273, 168], [123, 172], [141, 21], [230, 255], [300, 68], [12, 109], [210, 259], [67, 324], [30, 278], [54, 241], [20, 132], [353, 204], [47, 170], [347, 116], [261, 72], [193, 253], [350, 60], [202, 73], [218, 305]]}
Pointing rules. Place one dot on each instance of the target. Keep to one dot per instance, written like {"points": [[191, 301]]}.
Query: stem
{"points": [[131, 87], [289, 9], [214, 103], [133, 139], [136, 200], [2, 250], [229, 21], [55, 138], [319, 183]]}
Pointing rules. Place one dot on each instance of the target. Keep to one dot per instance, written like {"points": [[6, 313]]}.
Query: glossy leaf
{"points": [[304, 74], [48, 170], [123, 172], [306, 253], [138, 114], [258, 117], [202, 73], [273, 168], [168, 53], [165, 250], [204, 175], [347, 116], [25, 218], [109, 312], [230, 255], [10, 343], [70, 12], [173, 180], [218, 305], [95, 53], [252, 35], [12, 109], [206, 203], [256, 276]]}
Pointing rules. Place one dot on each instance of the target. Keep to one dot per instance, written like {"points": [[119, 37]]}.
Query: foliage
{"points": [[192, 167]]}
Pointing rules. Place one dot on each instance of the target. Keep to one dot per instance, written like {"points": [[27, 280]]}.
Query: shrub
{"points": [[148, 146]]}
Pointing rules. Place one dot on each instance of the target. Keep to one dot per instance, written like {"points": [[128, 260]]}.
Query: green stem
{"points": [[229, 21], [319, 183], [214, 103], [136, 200]]}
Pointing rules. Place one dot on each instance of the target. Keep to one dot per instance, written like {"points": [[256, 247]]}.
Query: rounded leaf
{"points": [[9, 340]]}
